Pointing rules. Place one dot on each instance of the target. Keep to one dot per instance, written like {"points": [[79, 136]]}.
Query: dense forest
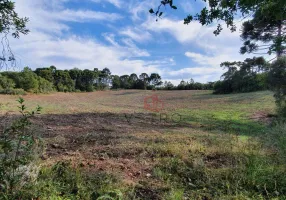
{"points": [[45, 80], [247, 76]]}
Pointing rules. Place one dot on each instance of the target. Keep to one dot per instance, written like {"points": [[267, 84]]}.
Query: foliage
{"points": [[7, 86], [247, 76], [17, 149], [155, 80], [145, 80], [266, 28], [44, 86], [168, 85], [28, 80], [63, 81], [226, 11], [192, 85], [115, 82], [46, 73], [104, 78], [250, 77], [277, 82], [133, 78], [125, 82], [6, 83], [10, 21]]}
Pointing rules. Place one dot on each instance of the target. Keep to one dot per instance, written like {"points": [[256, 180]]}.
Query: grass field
{"points": [[200, 146]]}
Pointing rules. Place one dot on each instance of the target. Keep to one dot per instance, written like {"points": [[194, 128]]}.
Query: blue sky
{"points": [[123, 36]]}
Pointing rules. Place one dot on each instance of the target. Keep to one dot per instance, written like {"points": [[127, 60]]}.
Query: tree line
{"points": [[45, 80], [247, 76]]}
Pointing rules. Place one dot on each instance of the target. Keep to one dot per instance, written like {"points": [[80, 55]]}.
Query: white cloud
{"points": [[51, 41], [42, 48], [214, 49], [195, 71], [199, 74], [110, 37], [49, 16], [212, 61], [136, 34], [117, 3], [181, 32], [85, 15], [139, 9], [82, 53]]}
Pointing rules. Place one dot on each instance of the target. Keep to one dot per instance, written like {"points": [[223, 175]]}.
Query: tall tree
{"points": [[264, 33], [115, 82], [28, 80], [145, 79], [133, 78], [46, 73], [246, 76], [87, 79], [277, 81], [155, 80], [124, 82], [104, 78], [63, 81]]}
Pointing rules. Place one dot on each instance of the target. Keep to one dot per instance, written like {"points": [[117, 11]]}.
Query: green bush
{"points": [[45, 86], [7, 86], [6, 83], [12, 91], [18, 148], [28, 80], [222, 87]]}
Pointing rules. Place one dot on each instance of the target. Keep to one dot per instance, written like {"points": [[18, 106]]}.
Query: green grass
{"points": [[218, 151]]}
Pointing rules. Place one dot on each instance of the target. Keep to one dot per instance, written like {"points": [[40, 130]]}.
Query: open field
{"points": [[201, 146]]}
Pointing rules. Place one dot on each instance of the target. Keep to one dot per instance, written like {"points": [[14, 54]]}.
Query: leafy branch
{"points": [[17, 150]]}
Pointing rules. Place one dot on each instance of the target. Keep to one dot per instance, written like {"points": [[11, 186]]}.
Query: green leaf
{"points": [[174, 7], [160, 14], [151, 11], [21, 100]]}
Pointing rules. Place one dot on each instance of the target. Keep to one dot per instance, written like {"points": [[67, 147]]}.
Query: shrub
{"points": [[6, 83], [45, 86], [277, 83], [28, 80], [13, 91], [17, 151], [222, 87]]}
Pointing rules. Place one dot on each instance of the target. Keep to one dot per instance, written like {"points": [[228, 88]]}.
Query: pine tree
{"points": [[264, 33]]}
